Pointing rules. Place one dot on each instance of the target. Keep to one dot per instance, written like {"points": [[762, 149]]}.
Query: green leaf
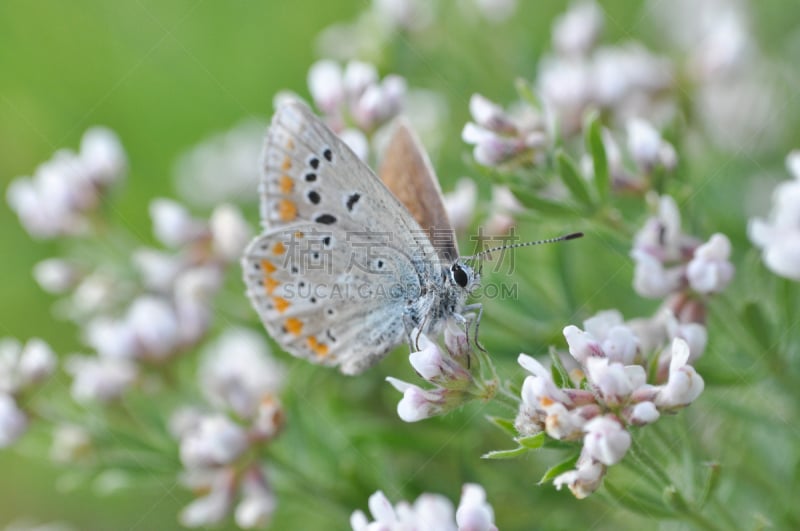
{"points": [[711, 482], [560, 468], [543, 206], [532, 442], [558, 371], [757, 324], [506, 454], [507, 425], [526, 93], [594, 145], [572, 179], [638, 502]]}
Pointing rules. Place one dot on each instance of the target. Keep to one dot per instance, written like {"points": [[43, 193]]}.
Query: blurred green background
{"points": [[165, 75]]}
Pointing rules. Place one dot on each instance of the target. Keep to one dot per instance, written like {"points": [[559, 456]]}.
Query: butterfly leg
{"points": [[475, 310], [413, 332]]}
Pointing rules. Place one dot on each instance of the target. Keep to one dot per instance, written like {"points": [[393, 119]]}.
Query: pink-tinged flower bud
{"points": [[474, 513], [489, 115], [644, 144], [606, 440], [326, 85], [642, 413], [358, 76], [615, 382], [582, 345], [418, 404], [230, 232]]}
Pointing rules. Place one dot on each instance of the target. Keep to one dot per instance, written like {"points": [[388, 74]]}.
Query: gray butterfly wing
{"points": [[334, 234]]}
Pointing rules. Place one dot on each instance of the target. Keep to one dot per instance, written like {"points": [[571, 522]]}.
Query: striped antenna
{"points": [[564, 238]]}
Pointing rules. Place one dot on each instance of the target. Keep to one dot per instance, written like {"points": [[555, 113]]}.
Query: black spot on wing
{"points": [[352, 200], [325, 219]]}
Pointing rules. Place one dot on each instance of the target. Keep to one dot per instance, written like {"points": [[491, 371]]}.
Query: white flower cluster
{"points": [[174, 312], [454, 373], [428, 512], [608, 393], [22, 368], [779, 238], [65, 190], [241, 381], [669, 262], [626, 81], [353, 101], [502, 138]]}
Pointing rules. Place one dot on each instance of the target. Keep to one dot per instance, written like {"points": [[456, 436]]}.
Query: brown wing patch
{"points": [[407, 172]]}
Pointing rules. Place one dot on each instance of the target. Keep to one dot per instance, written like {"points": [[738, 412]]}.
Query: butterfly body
{"points": [[343, 272]]}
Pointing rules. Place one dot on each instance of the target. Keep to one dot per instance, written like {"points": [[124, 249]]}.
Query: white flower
{"points": [[55, 275], [651, 279], [216, 440], [644, 144], [417, 403], [576, 31], [172, 224], [157, 268], [710, 270], [779, 238], [13, 421], [436, 367], [643, 413], [584, 480], [102, 156], [356, 141], [230, 233], [326, 85], [22, 367], [257, 504], [615, 382], [606, 335], [606, 440], [71, 442], [474, 513], [684, 384], [237, 370], [213, 507], [193, 294], [100, 378], [154, 326], [112, 338]]}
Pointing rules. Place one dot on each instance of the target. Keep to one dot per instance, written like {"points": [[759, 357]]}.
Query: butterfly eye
{"points": [[460, 276]]}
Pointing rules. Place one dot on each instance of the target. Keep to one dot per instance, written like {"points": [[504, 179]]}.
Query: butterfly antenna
{"points": [[571, 236]]}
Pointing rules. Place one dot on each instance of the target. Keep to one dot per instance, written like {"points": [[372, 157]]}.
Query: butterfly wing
{"points": [[407, 172], [341, 259]]}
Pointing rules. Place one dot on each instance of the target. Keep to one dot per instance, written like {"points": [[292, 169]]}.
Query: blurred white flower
{"points": [[684, 384], [100, 378], [779, 238], [211, 508], [237, 371], [230, 232], [460, 204], [55, 275], [71, 443], [13, 421], [413, 15], [158, 269], [223, 167], [193, 293], [22, 367], [605, 334], [710, 270], [577, 31], [584, 479], [647, 147], [173, 225], [606, 441], [257, 504], [62, 190], [417, 403], [429, 511], [154, 326], [214, 441]]}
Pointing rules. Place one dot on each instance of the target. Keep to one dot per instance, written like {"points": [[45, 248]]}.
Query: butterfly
{"points": [[350, 265]]}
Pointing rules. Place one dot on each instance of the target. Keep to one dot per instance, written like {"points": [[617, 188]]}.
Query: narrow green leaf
{"points": [[711, 482], [558, 371], [560, 468], [506, 454], [543, 206], [526, 93], [757, 324], [594, 145], [533, 442], [572, 179], [638, 502], [507, 425]]}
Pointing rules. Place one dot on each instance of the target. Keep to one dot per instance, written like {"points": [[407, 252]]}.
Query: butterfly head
{"points": [[463, 276]]}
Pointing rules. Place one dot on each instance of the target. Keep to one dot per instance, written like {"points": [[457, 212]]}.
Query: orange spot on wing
{"points": [[287, 163], [289, 144], [286, 184], [287, 210], [270, 284], [280, 304], [320, 349], [294, 326], [279, 248], [268, 266], [298, 235]]}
